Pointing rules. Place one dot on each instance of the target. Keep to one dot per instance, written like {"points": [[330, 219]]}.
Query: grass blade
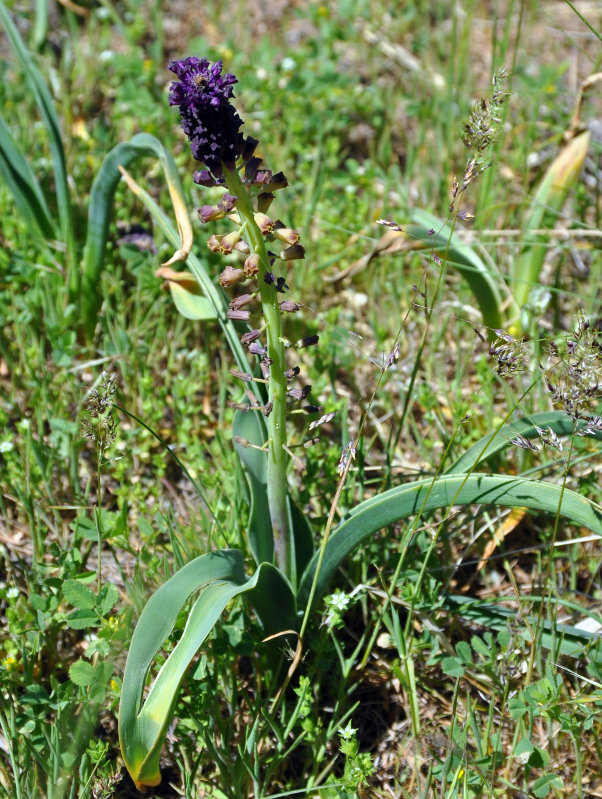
{"points": [[27, 193], [44, 101]]}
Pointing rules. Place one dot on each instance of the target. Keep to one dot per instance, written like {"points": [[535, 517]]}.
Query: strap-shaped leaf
{"points": [[474, 489], [492, 444], [101, 203], [220, 577], [544, 210]]}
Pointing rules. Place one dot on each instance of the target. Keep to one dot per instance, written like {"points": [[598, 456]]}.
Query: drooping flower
{"points": [[209, 119]]}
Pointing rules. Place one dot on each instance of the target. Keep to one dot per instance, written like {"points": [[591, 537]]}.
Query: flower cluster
{"points": [[478, 135], [100, 425], [258, 247], [209, 119], [575, 383], [510, 354]]}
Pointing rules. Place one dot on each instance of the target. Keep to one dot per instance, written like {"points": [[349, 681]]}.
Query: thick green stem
{"points": [[277, 487]]}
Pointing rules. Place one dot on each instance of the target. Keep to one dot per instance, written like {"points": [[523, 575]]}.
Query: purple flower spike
{"points": [[209, 119]]}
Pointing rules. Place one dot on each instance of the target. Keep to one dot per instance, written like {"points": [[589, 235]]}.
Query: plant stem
{"points": [[277, 488]]}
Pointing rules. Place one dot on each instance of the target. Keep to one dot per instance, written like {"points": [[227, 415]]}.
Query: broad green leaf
{"points": [[543, 785], [452, 666], [107, 599], [249, 432], [82, 619], [404, 501], [187, 295], [494, 443], [219, 576]]}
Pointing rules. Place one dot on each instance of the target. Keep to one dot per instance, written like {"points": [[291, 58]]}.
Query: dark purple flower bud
{"points": [[257, 349], [299, 393], [251, 168], [269, 278], [290, 373], [249, 148], [203, 177], [248, 338], [264, 200], [209, 120], [239, 316], [308, 341], [288, 306], [293, 253], [230, 276], [281, 285], [278, 181], [240, 302]]}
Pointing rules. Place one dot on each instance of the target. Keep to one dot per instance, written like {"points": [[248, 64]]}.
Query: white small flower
{"points": [[339, 600], [347, 732], [288, 64], [12, 593], [6, 446]]}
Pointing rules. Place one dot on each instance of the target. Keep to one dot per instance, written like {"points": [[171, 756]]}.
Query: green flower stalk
{"points": [[203, 95]]}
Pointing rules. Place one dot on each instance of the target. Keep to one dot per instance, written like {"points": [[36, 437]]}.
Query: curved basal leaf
{"points": [[544, 210], [403, 501], [100, 208], [490, 445], [249, 429], [220, 577]]}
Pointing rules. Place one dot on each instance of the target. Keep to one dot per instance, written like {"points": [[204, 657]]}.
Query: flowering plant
{"points": [[291, 575]]}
